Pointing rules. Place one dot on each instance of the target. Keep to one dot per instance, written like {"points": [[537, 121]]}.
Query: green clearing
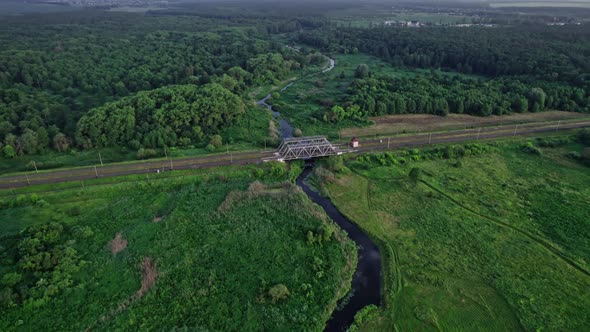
{"points": [[537, 4], [222, 246], [301, 102], [462, 245]]}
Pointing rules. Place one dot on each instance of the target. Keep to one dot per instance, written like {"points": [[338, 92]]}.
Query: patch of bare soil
{"points": [[117, 244], [149, 276], [157, 219]]}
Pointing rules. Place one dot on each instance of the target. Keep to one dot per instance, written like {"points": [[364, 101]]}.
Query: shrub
{"points": [[146, 153], [415, 174], [277, 169], [297, 132], [210, 148], [278, 292], [9, 151], [335, 164], [530, 148], [216, 141]]}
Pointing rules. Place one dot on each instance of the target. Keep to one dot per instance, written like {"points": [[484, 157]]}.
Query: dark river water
{"points": [[366, 282], [285, 128]]}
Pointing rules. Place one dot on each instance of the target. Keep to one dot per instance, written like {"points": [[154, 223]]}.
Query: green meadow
{"points": [[480, 237], [199, 251]]}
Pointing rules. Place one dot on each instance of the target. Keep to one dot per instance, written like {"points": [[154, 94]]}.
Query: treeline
{"points": [[170, 116], [54, 68], [549, 53], [443, 94]]}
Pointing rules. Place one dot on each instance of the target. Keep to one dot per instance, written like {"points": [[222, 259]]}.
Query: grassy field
{"points": [[537, 4], [493, 242], [407, 123], [367, 15], [196, 252]]}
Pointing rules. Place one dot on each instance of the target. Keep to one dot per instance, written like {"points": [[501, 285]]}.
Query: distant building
{"points": [[354, 142]]}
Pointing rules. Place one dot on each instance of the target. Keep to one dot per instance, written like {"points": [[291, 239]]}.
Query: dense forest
{"points": [[54, 69], [438, 94], [556, 54], [170, 116], [529, 68]]}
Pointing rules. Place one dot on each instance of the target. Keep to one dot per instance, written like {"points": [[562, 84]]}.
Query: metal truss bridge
{"points": [[306, 148]]}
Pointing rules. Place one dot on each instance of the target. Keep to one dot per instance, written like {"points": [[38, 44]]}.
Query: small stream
{"points": [[366, 281], [285, 128]]}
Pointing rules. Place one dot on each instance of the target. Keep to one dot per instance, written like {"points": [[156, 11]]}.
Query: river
{"points": [[285, 128], [366, 282]]}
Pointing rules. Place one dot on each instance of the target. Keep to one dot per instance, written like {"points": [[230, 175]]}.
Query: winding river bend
{"points": [[366, 282], [285, 129]]}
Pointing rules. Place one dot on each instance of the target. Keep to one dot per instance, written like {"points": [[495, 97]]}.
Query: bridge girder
{"points": [[306, 148]]}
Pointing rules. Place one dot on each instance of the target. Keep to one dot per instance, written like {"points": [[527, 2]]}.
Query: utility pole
{"points": [[388, 143], [557, 128], [227, 148], [165, 153], [100, 157], [29, 182], [265, 143], [430, 138], [515, 128], [95, 171], [478, 132], [171, 165], [35, 164]]}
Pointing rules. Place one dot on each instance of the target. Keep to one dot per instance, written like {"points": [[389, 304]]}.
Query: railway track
{"points": [[253, 157]]}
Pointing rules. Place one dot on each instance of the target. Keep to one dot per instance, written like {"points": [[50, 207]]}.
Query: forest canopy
{"points": [[169, 116], [440, 95]]}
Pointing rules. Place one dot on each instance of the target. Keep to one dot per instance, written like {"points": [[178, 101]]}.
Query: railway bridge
{"points": [[305, 148]]}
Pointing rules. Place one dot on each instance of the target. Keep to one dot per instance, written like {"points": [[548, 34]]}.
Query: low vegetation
{"points": [[230, 248], [475, 237]]}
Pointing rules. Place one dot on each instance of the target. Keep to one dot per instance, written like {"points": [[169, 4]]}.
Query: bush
{"points": [[9, 151], [278, 292], [146, 153], [531, 148], [416, 174], [216, 141], [297, 132], [277, 169], [335, 164], [210, 148]]}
